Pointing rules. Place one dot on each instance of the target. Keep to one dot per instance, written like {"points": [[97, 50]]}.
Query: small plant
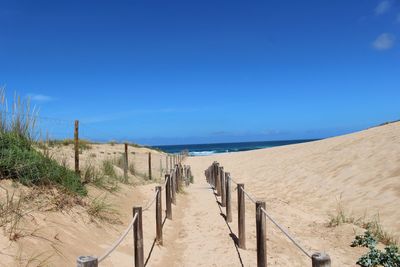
{"points": [[366, 240], [390, 257], [108, 168], [99, 208], [132, 168], [379, 233], [341, 217]]}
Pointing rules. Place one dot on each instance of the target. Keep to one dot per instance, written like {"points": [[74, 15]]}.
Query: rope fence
{"points": [[220, 182], [174, 181]]}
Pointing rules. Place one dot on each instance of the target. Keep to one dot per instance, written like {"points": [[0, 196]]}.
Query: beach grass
{"points": [[19, 160]]}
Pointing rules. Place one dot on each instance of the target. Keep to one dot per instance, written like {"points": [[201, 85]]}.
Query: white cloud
{"points": [[40, 98], [383, 7], [384, 41]]}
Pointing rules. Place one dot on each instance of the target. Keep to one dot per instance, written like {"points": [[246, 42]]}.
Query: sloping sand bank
{"points": [[302, 185]]}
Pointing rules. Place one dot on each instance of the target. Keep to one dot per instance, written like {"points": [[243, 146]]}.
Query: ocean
{"points": [[208, 149]]}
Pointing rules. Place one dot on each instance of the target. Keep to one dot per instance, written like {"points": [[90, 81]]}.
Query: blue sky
{"points": [[168, 72]]}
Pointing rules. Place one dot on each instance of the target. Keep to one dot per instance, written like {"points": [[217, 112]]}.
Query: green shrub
{"points": [[366, 240], [375, 257], [20, 161]]}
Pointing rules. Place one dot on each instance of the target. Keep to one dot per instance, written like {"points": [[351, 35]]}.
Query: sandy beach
{"points": [[303, 186]]}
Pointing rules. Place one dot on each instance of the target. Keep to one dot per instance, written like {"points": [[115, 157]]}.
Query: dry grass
{"points": [[99, 208], [374, 225]]}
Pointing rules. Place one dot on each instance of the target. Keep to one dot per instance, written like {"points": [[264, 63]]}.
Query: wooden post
{"points": [[241, 217], [228, 197], [218, 179], [149, 165], [170, 162], [213, 175], [126, 161], [173, 187], [86, 261], [159, 236], [138, 237], [168, 199], [223, 192], [76, 147], [261, 232], [176, 178], [320, 260]]}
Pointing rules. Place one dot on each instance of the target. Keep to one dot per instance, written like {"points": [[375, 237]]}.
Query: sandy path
{"points": [[200, 235]]}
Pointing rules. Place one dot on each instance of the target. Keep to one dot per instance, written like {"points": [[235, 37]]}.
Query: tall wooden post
{"points": [[159, 234], [228, 197], [76, 146], [173, 187], [149, 165], [218, 179], [138, 237], [223, 191], [170, 162], [168, 199], [126, 161], [241, 217], [176, 176], [86, 261], [320, 260], [261, 232]]}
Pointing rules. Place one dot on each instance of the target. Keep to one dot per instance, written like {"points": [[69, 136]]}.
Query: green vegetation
{"points": [[98, 208], [390, 257], [83, 144], [18, 158], [20, 161]]}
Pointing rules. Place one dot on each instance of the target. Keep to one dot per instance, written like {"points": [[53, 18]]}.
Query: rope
{"points": [[165, 183], [233, 181], [285, 233], [119, 240], [251, 198], [151, 202]]}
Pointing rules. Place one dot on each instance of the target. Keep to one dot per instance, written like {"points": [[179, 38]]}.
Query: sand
{"points": [[302, 185]]}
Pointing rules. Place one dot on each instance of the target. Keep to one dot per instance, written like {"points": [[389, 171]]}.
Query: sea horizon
{"points": [[205, 149]]}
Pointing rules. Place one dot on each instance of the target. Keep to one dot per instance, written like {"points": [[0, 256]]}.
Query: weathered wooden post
{"points": [[261, 232], [138, 237], [176, 176], [86, 261], [173, 188], [218, 179], [228, 197], [213, 176], [170, 162], [320, 260], [149, 165], [126, 161], [241, 217], [223, 191], [159, 236], [76, 147], [168, 197]]}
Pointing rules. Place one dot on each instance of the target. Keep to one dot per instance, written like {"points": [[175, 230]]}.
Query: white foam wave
{"points": [[202, 153]]}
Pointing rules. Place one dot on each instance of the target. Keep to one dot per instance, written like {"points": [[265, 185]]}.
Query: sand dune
{"points": [[302, 184]]}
